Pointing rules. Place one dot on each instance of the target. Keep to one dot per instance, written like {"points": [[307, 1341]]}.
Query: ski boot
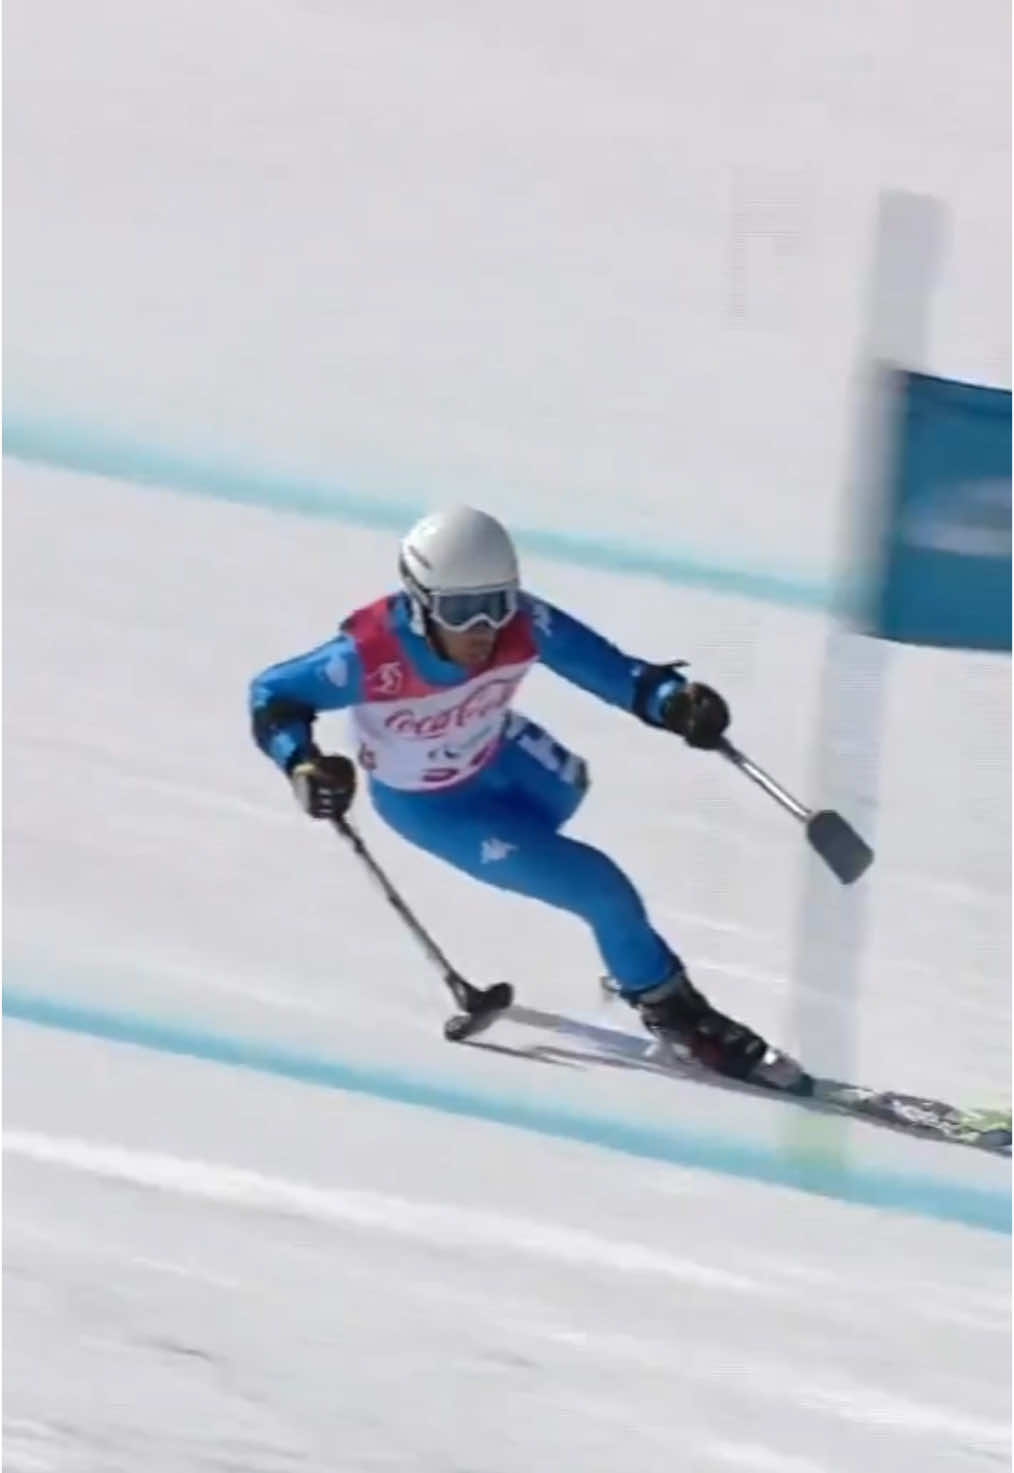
{"points": [[677, 1013]]}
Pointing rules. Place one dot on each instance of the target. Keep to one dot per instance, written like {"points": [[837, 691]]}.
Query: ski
{"points": [[778, 1075], [989, 1130]]}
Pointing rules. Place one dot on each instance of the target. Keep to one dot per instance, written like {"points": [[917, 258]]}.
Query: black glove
{"points": [[696, 713], [324, 786]]}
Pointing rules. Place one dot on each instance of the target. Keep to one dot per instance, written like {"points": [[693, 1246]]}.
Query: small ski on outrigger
{"points": [[987, 1130], [480, 1006]]}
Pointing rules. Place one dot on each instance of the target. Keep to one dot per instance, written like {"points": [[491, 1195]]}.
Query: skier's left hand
{"points": [[696, 713]]}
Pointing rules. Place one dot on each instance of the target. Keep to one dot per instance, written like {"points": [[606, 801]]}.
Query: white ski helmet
{"points": [[459, 567]]}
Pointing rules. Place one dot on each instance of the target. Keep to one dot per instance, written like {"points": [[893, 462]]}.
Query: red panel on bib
{"points": [[389, 675]]}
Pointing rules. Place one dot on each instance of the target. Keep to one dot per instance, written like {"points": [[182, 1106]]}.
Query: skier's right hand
{"points": [[324, 786]]}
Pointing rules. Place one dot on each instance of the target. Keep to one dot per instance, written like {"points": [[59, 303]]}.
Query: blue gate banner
{"points": [[945, 575]]}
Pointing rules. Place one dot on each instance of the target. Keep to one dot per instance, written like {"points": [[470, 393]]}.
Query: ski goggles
{"points": [[460, 611]]}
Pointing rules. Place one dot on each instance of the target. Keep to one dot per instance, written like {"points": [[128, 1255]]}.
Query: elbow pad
{"points": [[281, 715], [653, 684]]}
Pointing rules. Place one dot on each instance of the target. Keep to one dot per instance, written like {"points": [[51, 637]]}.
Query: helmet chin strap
{"points": [[418, 622]]}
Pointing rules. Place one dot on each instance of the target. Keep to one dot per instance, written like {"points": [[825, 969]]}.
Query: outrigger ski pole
{"points": [[844, 851], [479, 1005]]}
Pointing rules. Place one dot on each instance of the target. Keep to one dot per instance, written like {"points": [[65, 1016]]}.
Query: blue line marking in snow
{"points": [[67, 447], [867, 1186]]}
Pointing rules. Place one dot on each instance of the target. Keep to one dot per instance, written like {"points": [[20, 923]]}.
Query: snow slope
{"points": [[223, 1267], [204, 1271], [546, 255], [601, 269]]}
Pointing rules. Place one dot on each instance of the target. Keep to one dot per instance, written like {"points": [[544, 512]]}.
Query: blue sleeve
{"points": [[577, 653], [285, 699]]}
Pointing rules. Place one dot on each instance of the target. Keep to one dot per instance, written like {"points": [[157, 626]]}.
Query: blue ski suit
{"points": [[470, 780]]}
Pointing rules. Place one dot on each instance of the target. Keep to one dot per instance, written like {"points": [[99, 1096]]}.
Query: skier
{"points": [[429, 674]]}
